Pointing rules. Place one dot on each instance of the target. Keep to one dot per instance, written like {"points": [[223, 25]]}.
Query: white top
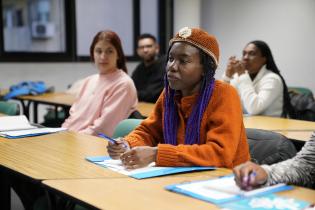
{"points": [[262, 96]]}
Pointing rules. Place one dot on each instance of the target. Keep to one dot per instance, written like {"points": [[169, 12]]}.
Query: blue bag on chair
{"points": [[26, 88]]}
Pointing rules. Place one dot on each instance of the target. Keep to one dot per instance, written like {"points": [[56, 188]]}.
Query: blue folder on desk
{"points": [[221, 190], [147, 172]]}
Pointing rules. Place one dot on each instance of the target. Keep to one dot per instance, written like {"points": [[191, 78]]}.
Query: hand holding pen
{"points": [[250, 175], [115, 147]]}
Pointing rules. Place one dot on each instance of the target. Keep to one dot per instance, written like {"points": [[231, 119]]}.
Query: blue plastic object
{"points": [[26, 88]]}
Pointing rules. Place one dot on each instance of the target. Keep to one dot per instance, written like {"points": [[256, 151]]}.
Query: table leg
{"points": [[26, 107], [35, 112]]}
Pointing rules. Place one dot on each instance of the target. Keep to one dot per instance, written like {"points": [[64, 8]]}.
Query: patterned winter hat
{"points": [[200, 39]]}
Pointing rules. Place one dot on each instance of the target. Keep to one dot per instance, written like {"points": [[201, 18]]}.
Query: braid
{"points": [[192, 133], [288, 110], [170, 115]]}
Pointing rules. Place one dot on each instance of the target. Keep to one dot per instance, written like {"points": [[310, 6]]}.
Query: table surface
{"points": [[278, 124], [117, 193], [297, 135], [55, 156], [64, 99], [58, 98]]}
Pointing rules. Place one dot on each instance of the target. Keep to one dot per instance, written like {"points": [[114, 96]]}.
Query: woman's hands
{"points": [[234, 66], [139, 157], [249, 175], [115, 150], [136, 157]]}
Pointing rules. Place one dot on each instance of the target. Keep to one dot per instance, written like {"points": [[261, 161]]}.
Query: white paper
{"points": [[11, 123], [116, 165], [31, 132], [221, 188]]}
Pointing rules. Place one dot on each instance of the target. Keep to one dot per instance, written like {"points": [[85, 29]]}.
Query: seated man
{"points": [[299, 170], [148, 75]]}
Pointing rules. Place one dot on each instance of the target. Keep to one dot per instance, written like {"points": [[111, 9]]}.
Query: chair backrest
{"points": [[303, 104], [267, 147], [9, 108], [300, 90], [125, 127]]}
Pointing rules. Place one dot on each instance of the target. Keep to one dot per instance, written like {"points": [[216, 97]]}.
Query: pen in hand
{"points": [[107, 138], [249, 180], [113, 141]]}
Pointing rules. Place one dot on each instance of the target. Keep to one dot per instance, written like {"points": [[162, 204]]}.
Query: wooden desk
{"points": [[145, 108], [293, 129], [297, 135], [55, 156], [64, 100], [278, 124], [59, 99], [117, 194]]}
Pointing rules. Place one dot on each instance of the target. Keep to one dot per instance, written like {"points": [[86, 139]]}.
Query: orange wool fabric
{"points": [[222, 133]]}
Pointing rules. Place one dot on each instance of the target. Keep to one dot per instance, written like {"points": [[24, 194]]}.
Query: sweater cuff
{"points": [[268, 171], [134, 142], [167, 155]]}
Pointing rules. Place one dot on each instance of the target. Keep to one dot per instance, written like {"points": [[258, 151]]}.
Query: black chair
{"points": [[267, 147]]}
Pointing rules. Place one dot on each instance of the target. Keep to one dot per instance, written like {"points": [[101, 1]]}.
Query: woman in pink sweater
{"points": [[105, 98]]}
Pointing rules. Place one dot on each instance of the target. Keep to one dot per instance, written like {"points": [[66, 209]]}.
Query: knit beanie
{"points": [[200, 39]]}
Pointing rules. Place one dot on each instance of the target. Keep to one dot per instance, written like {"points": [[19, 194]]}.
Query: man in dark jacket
{"points": [[148, 75]]}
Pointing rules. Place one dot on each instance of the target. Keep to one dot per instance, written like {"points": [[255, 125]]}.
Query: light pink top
{"points": [[103, 102]]}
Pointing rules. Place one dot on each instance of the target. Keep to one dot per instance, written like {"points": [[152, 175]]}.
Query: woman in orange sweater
{"points": [[197, 121]]}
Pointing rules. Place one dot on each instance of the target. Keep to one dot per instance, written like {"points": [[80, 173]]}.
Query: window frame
{"points": [[165, 31]]}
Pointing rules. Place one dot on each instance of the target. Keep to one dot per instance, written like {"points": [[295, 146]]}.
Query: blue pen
{"points": [[107, 138], [249, 179]]}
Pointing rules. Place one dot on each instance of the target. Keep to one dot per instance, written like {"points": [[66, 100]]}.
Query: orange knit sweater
{"points": [[222, 134]]}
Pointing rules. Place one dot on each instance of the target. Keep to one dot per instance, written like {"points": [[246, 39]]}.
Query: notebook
{"points": [[221, 190], [14, 127], [145, 172], [13, 123]]}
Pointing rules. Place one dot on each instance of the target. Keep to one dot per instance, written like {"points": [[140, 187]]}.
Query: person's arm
{"points": [[223, 142], [150, 131], [257, 99], [74, 107], [115, 107], [249, 175], [225, 139], [234, 67], [299, 170]]}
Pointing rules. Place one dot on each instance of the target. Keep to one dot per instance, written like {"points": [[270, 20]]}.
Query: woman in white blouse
{"points": [[258, 81]]}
